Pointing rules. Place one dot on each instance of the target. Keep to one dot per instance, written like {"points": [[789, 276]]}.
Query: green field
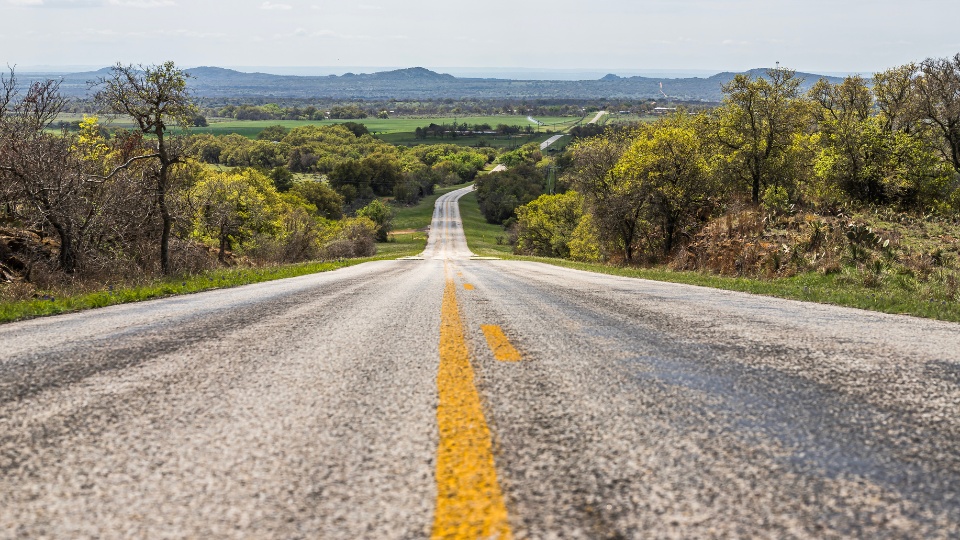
{"points": [[250, 128]]}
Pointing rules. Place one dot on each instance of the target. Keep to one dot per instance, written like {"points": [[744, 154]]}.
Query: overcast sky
{"points": [[605, 35]]}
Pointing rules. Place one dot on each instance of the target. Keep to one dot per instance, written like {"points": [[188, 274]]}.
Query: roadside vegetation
{"points": [[848, 193]]}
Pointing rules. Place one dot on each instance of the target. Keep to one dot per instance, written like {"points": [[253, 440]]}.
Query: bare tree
{"points": [[156, 97], [41, 176], [938, 93]]}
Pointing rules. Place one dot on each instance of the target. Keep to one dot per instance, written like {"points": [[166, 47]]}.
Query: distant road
{"points": [[597, 117], [551, 140], [452, 397]]}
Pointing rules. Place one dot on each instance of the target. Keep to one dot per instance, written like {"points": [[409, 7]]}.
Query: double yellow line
{"points": [[469, 500]]}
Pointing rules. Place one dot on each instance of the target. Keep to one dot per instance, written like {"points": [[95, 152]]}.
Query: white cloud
{"points": [[272, 6], [56, 3], [143, 3]]}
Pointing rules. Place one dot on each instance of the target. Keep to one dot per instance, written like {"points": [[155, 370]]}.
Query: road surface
{"points": [[452, 397], [551, 140], [597, 117]]}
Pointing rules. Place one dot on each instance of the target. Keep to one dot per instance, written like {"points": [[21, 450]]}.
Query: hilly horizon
{"points": [[423, 83]]}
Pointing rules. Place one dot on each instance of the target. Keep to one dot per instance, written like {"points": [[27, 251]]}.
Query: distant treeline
{"points": [[302, 109]]}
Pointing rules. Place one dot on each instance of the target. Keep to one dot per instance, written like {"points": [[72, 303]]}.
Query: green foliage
{"points": [[776, 200], [328, 203], [585, 241], [274, 133], [345, 112], [381, 215], [230, 208], [756, 125], [500, 193], [350, 237], [668, 167], [282, 179], [528, 154], [545, 226]]}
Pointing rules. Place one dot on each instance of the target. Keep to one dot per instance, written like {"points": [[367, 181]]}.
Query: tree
{"points": [[328, 202], [39, 170], [381, 215], [615, 208], [668, 167], [546, 224], [272, 133], [230, 207], [895, 93], [500, 193], [155, 97], [938, 99], [756, 124]]}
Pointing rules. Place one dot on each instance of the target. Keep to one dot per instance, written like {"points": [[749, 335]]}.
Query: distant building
{"points": [[664, 110]]}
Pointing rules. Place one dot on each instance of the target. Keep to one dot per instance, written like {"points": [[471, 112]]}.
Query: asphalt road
{"points": [[370, 402]]}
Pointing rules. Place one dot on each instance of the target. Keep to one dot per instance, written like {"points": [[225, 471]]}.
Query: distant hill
{"points": [[421, 83]]}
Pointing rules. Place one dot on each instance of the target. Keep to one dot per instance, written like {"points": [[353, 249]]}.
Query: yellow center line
{"points": [[468, 286], [469, 501], [498, 342]]}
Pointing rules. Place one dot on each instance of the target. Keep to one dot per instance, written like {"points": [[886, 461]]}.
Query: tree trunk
{"points": [[67, 256], [165, 233]]}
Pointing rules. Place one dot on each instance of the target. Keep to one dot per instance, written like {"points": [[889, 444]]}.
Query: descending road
{"points": [[452, 397]]}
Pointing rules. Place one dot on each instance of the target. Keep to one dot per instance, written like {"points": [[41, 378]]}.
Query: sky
{"points": [[616, 36]]}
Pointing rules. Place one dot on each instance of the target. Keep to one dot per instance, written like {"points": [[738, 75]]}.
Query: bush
{"points": [[352, 237], [545, 226], [381, 215], [585, 241]]}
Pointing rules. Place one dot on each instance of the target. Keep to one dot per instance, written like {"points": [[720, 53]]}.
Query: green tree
{"points": [[381, 214], [669, 167], [546, 224], [938, 100], [500, 193], [272, 133], [756, 124], [282, 179], [230, 207], [895, 94], [616, 207], [155, 97], [329, 203]]}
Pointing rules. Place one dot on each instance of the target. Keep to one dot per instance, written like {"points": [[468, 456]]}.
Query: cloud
{"points": [[143, 3], [56, 4], [272, 6]]}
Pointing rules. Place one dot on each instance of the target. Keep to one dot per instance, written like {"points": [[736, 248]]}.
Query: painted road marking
{"points": [[498, 342], [469, 501], [468, 286]]}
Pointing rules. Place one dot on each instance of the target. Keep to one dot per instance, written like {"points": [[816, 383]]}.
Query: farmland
{"points": [[397, 130]]}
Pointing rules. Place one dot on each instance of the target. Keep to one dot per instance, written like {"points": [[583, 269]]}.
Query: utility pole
{"points": [[551, 179]]}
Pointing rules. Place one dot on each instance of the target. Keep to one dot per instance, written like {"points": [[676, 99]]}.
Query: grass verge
{"points": [[485, 239], [898, 296]]}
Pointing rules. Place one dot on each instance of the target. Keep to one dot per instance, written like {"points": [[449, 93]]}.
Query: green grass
{"points": [[216, 279], [842, 289], [379, 126], [482, 236]]}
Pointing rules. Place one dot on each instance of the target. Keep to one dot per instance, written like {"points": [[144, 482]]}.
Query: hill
{"points": [[421, 83]]}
